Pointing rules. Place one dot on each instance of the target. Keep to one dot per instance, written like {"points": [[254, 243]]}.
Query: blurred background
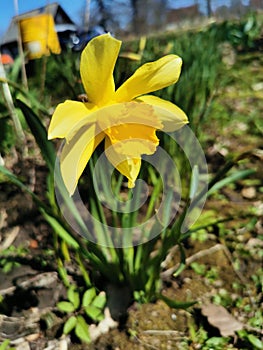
{"points": [[76, 23]]}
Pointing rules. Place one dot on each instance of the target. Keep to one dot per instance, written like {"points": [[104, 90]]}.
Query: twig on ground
{"points": [[42, 280], [10, 238], [168, 333]]}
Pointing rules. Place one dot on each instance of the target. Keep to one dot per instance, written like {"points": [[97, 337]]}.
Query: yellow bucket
{"points": [[39, 36]]}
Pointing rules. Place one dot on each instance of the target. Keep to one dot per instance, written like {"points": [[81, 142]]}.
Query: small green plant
{"points": [[216, 343], [198, 268], [5, 263], [78, 308], [250, 340]]}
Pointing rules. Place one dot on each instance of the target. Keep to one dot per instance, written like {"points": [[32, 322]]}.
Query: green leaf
{"points": [[49, 154], [63, 273], [5, 344], [82, 330], [25, 95], [182, 264], [257, 343], [15, 180], [217, 342], [59, 229], [165, 214], [100, 300], [198, 268], [70, 324], [94, 312], [54, 223], [73, 296], [65, 306], [39, 132], [238, 175], [88, 296], [194, 182], [176, 304]]}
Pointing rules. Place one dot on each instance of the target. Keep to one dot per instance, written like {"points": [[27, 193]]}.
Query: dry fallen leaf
{"points": [[220, 318]]}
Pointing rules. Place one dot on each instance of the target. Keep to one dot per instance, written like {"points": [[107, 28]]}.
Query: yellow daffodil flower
{"points": [[126, 118]]}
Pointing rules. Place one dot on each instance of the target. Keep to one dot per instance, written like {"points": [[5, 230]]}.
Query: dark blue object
{"points": [[85, 37]]}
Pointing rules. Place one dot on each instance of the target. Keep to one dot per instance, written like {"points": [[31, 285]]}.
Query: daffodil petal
{"points": [[127, 166], [66, 116], [119, 114], [76, 154], [131, 128], [127, 113], [171, 116], [96, 68], [150, 77], [133, 140], [136, 147]]}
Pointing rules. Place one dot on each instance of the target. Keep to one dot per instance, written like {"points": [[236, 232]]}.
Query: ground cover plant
{"points": [[172, 291]]}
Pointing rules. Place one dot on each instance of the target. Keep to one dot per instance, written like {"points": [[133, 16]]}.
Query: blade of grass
{"points": [[11, 108], [238, 175]]}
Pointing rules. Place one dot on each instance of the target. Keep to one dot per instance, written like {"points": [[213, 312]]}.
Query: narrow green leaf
{"points": [[82, 330], [73, 296], [70, 324], [88, 296], [152, 175], [165, 215], [48, 152], [54, 223], [194, 182], [154, 198], [15, 180], [22, 92], [238, 175], [99, 229], [182, 261], [65, 306], [39, 132], [65, 251], [129, 257], [59, 229], [84, 272], [63, 273], [5, 344]]}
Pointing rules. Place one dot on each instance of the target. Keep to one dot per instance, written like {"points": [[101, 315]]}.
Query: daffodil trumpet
{"points": [[126, 119]]}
